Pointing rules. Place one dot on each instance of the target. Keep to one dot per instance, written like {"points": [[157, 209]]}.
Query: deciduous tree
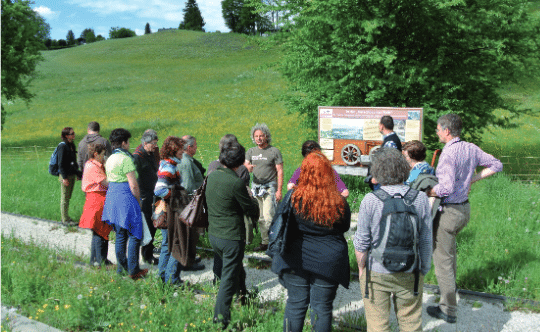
{"points": [[88, 35], [442, 56], [241, 16], [23, 35], [70, 38], [192, 17]]}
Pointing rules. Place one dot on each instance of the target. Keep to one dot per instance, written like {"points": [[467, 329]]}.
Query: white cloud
{"points": [[139, 32], [46, 12], [212, 15]]}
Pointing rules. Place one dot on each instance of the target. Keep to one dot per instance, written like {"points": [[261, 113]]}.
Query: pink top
{"points": [[93, 174]]}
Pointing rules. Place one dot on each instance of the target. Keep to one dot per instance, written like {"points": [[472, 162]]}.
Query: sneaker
{"points": [[139, 275], [435, 312], [262, 247]]}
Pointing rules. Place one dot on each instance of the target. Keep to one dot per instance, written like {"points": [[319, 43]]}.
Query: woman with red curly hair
{"points": [[316, 260]]}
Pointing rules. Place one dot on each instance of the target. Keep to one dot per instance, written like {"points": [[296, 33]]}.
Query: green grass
{"points": [[46, 287], [208, 85], [51, 291]]}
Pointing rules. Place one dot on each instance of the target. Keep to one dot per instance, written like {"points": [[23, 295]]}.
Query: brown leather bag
{"points": [[161, 212], [196, 213]]}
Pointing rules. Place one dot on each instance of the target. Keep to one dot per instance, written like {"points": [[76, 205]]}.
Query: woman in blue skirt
{"points": [[123, 204]]}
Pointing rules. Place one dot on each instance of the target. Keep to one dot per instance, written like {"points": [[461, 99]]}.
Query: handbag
{"points": [[160, 214], [279, 229], [195, 214]]}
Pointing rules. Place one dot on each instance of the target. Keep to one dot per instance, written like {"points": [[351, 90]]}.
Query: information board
{"points": [[346, 130]]}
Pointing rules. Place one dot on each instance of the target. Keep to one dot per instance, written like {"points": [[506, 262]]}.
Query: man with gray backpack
{"points": [[393, 244]]}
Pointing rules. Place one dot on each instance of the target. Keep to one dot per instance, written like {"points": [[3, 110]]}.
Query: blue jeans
{"points": [[169, 268], [131, 262], [305, 288], [98, 249]]}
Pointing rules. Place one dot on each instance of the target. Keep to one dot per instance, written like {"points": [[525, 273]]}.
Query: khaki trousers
{"points": [[267, 208], [446, 225], [408, 308], [65, 196]]}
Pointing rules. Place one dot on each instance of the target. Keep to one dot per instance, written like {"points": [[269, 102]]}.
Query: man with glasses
{"points": [[92, 136], [455, 172], [146, 157]]}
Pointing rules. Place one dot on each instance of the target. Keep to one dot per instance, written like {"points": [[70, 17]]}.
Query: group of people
{"points": [[442, 209], [120, 188], [316, 260]]}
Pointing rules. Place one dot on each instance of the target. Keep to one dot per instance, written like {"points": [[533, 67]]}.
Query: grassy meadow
{"points": [[208, 85]]}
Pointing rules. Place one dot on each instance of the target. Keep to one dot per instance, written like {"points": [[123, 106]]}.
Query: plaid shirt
{"points": [[456, 168]]}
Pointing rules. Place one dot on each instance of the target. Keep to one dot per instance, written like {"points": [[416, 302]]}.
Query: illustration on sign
{"points": [[348, 133]]}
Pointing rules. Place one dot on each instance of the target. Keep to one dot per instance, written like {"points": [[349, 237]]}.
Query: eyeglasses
{"points": [[71, 134]]}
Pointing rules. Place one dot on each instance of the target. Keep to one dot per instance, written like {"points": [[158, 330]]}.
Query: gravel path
{"points": [[490, 316]]}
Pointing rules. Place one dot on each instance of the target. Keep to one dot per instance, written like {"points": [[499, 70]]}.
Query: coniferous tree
{"points": [[193, 19], [147, 30]]}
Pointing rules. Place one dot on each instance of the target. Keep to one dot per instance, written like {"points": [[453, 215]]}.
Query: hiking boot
{"points": [[435, 312]]}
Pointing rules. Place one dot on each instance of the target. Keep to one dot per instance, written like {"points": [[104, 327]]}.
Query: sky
{"points": [[101, 15]]}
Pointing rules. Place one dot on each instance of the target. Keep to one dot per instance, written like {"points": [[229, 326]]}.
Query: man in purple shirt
{"points": [[456, 173]]}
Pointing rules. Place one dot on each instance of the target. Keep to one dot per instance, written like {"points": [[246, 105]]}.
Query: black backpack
{"points": [[396, 248]]}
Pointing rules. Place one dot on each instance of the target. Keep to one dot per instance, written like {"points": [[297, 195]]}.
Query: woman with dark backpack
{"points": [[316, 260], [69, 172]]}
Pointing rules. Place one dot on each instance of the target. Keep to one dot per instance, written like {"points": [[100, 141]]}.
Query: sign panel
{"points": [[345, 133]]}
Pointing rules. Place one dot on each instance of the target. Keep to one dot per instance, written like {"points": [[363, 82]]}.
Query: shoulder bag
{"points": [[195, 214]]}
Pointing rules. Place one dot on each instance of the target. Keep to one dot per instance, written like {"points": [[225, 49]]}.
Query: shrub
{"points": [[121, 33]]}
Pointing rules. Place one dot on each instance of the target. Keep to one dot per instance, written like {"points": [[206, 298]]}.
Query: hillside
{"points": [[177, 82]]}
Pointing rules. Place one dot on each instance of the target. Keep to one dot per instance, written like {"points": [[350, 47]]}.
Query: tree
{"points": [[147, 30], [241, 16], [100, 38], [192, 17], [88, 35], [121, 33], [23, 35], [442, 56], [70, 38]]}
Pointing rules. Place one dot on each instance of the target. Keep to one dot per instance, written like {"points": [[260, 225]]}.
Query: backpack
{"points": [[53, 162], [396, 248]]}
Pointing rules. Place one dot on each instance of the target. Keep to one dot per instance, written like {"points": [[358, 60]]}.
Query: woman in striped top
{"points": [[168, 175]]}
